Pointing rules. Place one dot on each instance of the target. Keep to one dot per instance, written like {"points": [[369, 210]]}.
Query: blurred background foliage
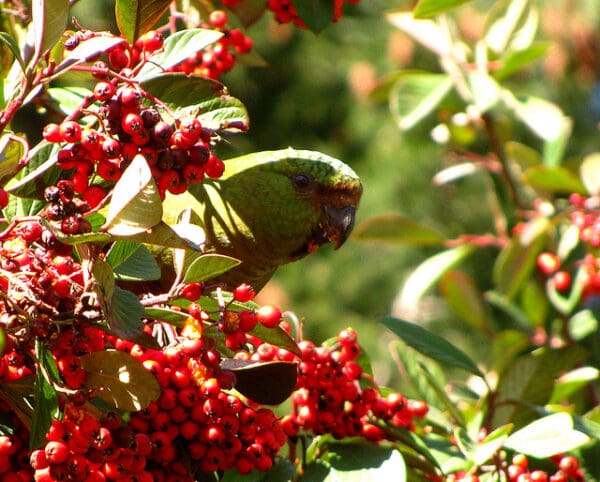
{"points": [[314, 93]]}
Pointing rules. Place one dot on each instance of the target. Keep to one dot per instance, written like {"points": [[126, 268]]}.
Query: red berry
{"points": [[70, 131], [150, 41], [269, 315], [244, 293], [191, 291], [3, 198], [93, 195], [248, 320], [562, 280], [548, 262], [104, 91], [56, 452], [51, 133], [569, 465], [218, 18]]}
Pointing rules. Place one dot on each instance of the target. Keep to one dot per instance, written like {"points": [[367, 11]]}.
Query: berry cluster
{"points": [[178, 153], [586, 217], [550, 264], [328, 397], [81, 447], [14, 449], [216, 59], [41, 280], [285, 12], [567, 470], [195, 418]]}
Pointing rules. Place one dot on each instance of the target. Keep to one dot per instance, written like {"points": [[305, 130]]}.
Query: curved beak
{"points": [[338, 223]]}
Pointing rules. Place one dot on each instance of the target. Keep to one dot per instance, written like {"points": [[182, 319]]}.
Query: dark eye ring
{"points": [[301, 181]]}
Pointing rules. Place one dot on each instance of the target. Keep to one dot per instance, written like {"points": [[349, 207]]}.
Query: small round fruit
{"points": [[268, 315]]}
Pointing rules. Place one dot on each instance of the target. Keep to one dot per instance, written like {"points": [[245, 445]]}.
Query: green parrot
{"points": [[271, 208]]}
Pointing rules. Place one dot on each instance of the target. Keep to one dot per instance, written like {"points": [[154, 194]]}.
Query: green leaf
{"points": [[431, 345], [553, 180], [317, 14], [17, 393], [394, 228], [41, 171], [45, 397], [582, 324], [491, 444], [430, 271], [125, 313], [516, 261], [11, 153], [87, 50], [416, 94], [120, 380], [136, 17], [572, 382], [68, 98], [209, 266], [545, 119], [50, 19], [135, 206], [269, 383], [511, 25], [529, 380], [590, 173], [206, 98], [132, 262], [440, 392], [176, 49], [10, 42], [547, 436], [465, 300], [175, 318], [160, 235], [517, 60], [367, 463], [430, 8]]}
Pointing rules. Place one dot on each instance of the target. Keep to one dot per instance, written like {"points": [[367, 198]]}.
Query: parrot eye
{"points": [[301, 181]]}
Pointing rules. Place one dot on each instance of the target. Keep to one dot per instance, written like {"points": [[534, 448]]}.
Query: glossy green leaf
{"points": [[394, 228], [124, 315], [12, 45], [268, 383], [427, 274], [416, 94], [132, 262], [317, 14], [367, 463], [135, 206], [11, 153], [431, 345], [448, 405], [547, 436], [430, 8], [206, 98], [40, 171], [136, 17], [553, 180], [87, 50], [522, 155], [160, 235], [175, 318], [176, 49], [582, 324], [68, 98], [465, 300], [50, 19], [119, 380], [573, 381], [209, 266], [45, 398], [516, 261]]}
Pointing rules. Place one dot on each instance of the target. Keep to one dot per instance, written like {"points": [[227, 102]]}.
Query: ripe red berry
{"points": [[3, 198], [218, 18], [150, 41], [562, 280], [244, 293], [191, 291], [569, 465], [269, 315], [548, 262], [104, 91], [51, 133], [247, 321], [70, 131], [56, 452]]}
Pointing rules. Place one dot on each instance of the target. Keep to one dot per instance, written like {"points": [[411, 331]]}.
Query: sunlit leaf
{"points": [[50, 19], [430, 8], [45, 398], [511, 24], [10, 42], [87, 50], [553, 179], [120, 380], [135, 205], [132, 261], [11, 153], [430, 271], [547, 436], [177, 48], [427, 32], [573, 381], [365, 463], [209, 266], [135, 17]]}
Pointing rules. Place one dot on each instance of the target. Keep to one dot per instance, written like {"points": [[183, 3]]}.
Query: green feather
{"points": [[255, 213]]}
